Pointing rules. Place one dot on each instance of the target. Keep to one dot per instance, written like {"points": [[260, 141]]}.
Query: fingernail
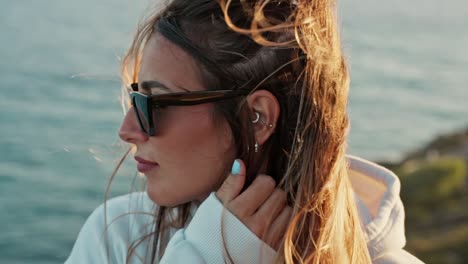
{"points": [[235, 167]]}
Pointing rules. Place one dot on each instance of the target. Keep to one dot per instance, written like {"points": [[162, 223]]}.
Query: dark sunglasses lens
{"points": [[140, 106]]}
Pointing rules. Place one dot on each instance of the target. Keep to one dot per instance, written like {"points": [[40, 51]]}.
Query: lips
{"points": [[145, 165]]}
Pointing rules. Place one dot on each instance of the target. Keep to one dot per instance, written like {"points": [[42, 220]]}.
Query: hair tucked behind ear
{"points": [[292, 49]]}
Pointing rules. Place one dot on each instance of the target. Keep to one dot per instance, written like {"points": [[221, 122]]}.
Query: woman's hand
{"points": [[261, 207]]}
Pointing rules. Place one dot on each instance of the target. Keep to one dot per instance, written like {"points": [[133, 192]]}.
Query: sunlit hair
{"points": [[292, 49]]}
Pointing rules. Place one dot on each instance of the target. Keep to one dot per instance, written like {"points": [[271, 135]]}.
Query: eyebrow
{"points": [[147, 85]]}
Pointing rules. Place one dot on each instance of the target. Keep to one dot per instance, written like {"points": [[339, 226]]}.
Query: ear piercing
{"points": [[256, 147], [257, 118], [255, 121]]}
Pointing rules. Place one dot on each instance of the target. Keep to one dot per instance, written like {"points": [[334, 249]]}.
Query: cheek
{"points": [[194, 152], [194, 130]]}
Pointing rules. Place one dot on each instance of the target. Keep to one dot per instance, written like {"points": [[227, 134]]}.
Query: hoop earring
{"points": [[257, 118]]}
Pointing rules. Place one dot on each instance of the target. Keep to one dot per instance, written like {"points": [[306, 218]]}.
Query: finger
{"points": [[272, 207], [254, 196], [233, 184], [274, 236]]}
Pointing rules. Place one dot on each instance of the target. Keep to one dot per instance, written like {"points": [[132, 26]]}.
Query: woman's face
{"points": [[193, 153]]}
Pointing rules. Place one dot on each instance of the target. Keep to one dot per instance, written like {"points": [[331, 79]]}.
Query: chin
{"points": [[162, 198]]}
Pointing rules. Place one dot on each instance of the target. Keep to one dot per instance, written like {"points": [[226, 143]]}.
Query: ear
{"points": [[266, 105]]}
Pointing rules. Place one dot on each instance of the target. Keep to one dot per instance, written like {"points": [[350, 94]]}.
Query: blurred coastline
{"points": [[434, 190]]}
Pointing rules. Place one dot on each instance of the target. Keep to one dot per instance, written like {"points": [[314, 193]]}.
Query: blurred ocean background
{"points": [[60, 109]]}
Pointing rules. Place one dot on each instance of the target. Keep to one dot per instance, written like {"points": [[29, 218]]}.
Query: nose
{"points": [[130, 131]]}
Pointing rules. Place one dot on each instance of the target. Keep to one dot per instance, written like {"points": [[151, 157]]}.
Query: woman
{"points": [[238, 122]]}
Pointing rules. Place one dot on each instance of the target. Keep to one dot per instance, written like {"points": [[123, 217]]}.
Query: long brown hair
{"points": [[292, 49]]}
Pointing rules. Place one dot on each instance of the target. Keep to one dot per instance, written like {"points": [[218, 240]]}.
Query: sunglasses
{"points": [[147, 106]]}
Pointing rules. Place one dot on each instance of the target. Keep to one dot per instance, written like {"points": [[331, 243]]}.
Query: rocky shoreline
{"points": [[453, 145]]}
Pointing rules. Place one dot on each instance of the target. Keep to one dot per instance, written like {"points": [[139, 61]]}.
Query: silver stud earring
{"points": [[256, 147]]}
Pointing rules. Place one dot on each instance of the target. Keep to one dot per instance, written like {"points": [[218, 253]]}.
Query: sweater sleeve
{"points": [[214, 236]]}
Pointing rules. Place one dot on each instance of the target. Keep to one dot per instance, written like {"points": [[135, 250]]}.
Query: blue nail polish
{"points": [[236, 167]]}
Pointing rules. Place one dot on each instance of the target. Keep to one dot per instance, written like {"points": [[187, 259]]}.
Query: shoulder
{"points": [[124, 217], [119, 212], [112, 227]]}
